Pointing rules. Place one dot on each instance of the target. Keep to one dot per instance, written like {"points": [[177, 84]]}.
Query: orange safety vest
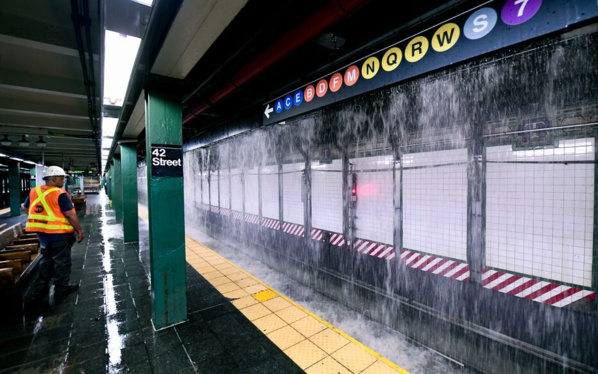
{"points": [[44, 212]]}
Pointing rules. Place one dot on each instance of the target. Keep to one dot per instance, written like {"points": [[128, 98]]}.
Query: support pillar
{"points": [[109, 186], [128, 153], [14, 186], [475, 194], [117, 192], [163, 131]]}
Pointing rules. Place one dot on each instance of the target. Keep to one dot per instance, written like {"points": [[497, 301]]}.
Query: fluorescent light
{"points": [[106, 142], [119, 58], [109, 127], [145, 2]]}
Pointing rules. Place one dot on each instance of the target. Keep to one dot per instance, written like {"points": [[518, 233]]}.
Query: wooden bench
{"points": [[19, 254]]}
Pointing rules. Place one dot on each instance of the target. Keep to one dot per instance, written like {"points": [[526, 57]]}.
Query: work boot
{"points": [[63, 291]]}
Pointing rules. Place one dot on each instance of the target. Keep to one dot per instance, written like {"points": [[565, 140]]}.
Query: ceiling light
{"points": [[23, 142], [41, 143], [6, 142]]}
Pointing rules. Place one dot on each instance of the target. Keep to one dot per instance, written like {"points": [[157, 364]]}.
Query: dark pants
{"points": [[55, 263]]}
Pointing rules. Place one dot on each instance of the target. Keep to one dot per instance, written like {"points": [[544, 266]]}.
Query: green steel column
{"points": [[111, 182], [128, 154], [14, 186], [163, 131], [117, 193]]}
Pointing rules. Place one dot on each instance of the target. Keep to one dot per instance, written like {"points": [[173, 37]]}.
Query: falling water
{"points": [[354, 192]]}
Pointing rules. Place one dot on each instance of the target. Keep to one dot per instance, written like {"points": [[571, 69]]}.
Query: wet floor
{"points": [[106, 325]]}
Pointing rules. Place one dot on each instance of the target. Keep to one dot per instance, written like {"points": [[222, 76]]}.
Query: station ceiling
{"points": [[226, 58]]}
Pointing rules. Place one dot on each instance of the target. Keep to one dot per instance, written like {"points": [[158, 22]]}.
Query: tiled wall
{"points": [[435, 203], [205, 188], [214, 182], [327, 198], [236, 190], [292, 204], [251, 192], [225, 188], [270, 202], [540, 210], [374, 209]]}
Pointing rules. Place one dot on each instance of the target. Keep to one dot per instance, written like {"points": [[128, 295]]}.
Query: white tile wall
{"points": [[224, 188], [205, 188], [270, 192], [435, 203], [236, 190], [539, 217], [375, 207], [291, 182], [214, 188], [251, 192], [327, 199]]}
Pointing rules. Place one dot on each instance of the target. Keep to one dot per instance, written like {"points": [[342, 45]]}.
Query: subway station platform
{"points": [[236, 323]]}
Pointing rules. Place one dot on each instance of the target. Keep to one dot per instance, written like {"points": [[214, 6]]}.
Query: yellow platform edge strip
{"points": [[143, 214], [306, 311]]}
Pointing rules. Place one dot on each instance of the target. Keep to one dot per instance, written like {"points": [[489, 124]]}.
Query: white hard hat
{"points": [[54, 171]]}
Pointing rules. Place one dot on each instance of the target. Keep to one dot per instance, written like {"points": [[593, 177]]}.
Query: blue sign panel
{"points": [[484, 29]]}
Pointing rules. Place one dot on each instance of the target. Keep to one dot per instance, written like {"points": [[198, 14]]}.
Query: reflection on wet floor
{"points": [[106, 325]]}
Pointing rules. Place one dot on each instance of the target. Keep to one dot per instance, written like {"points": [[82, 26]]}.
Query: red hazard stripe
{"points": [[541, 291], [492, 278], [461, 272], [423, 264], [408, 256], [504, 284], [562, 295], [524, 286], [439, 264], [449, 268]]}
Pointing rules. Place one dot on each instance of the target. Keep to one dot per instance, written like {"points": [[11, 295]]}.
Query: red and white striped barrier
{"points": [[237, 215], [337, 239], [293, 229], [533, 289], [436, 265], [379, 250], [316, 234], [270, 223], [252, 218], [519, 286]]}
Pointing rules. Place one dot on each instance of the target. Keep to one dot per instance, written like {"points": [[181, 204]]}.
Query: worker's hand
{"points": [[80, 236]]}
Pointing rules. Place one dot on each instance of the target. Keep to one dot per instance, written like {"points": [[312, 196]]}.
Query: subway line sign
{"points": [[484, 29]]}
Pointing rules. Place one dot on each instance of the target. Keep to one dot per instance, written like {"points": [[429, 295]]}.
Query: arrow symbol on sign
{"points": [[268, 111]]}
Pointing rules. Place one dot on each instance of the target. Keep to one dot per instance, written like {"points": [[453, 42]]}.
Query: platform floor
{"points": [[236, 323]]}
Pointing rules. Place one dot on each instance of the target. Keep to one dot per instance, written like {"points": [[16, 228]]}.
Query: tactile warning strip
{"points": [[314, 344]]}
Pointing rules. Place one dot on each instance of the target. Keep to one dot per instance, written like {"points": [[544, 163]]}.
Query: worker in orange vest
{"points": [[52, 216]]}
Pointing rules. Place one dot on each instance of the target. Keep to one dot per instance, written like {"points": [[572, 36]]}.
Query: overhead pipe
{"points": [[81, 19], [322, 19]]}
